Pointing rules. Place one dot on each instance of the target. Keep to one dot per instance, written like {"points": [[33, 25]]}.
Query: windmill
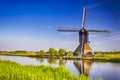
{"points": [[83, 47]]}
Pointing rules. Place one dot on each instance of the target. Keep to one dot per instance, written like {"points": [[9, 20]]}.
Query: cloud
{"points": [[96, 4], [99, 3], [49, 26], [67, 42], [46, 26], [114, 36], [66, 33], [107, 36], [93, 35]]}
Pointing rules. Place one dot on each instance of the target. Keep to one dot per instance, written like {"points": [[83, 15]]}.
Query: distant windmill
{"points": [[83, 47]]}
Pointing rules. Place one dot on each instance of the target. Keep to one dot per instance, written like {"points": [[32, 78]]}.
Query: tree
{"points": [[41, 52], [70, 53], [52, 51], [61, 51], [76, 53], [20, 52]]}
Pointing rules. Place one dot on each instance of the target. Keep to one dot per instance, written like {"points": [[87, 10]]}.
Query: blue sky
{"points": [[32, 24]]}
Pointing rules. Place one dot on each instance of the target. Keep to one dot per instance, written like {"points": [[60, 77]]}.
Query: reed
{"points": [[14, 71]]}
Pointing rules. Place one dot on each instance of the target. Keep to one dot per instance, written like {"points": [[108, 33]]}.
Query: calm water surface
{"points": [[95, 70]]}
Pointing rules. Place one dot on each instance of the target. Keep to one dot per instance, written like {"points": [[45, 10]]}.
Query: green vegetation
{"points": [[107, 54], [52, 52], [76, 53], [61, 53], [113, 60], [18, 53], [41, 52], [107, 57], [14, 71], [70, 53]]}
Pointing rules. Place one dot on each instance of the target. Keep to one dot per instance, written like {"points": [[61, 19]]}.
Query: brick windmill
{"points": [[83, 47]]}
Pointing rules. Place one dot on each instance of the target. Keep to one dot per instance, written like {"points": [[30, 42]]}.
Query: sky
{"points": [[32, 24]]}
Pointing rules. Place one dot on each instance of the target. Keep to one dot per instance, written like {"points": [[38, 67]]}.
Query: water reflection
{"points": [[32, 58], [62, 62], [40, 59], [51, 61], [83, 66]]}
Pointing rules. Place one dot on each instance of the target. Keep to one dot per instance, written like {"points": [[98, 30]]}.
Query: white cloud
{"points": [[99, 4], [93, 35], [67, 42], [49, 26], [114, 36], [46, 26], [96, 4], [66, 33]]}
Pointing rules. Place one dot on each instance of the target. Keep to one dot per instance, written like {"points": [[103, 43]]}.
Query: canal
{"points": [[95, 70]]}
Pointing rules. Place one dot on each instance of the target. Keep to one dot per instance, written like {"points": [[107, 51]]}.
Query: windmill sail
{"points": [[98, 31], [83, 19], [68, 30]]}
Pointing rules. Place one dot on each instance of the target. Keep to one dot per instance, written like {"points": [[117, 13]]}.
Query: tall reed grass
{"points": [[14, 71]]}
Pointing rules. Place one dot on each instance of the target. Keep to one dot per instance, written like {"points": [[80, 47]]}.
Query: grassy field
{"points": [[14, 71]]}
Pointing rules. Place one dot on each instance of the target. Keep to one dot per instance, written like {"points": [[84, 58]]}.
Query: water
{"points": [[95, 70]]}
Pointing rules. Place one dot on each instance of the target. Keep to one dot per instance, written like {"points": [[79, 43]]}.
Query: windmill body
{"points": [[83, 47]]}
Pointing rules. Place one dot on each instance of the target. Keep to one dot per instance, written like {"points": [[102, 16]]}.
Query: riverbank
{"points": [[112, 60], [98, 57], [14, 71]]}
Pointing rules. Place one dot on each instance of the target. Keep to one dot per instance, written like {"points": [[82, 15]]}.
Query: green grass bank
{"points": [[14, 71], [98, 57]]}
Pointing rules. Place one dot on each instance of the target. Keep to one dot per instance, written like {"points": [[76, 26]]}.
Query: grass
{"points": [[18, 53], [113, 60], [107, 57], [108, 54], [14, 71]]}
